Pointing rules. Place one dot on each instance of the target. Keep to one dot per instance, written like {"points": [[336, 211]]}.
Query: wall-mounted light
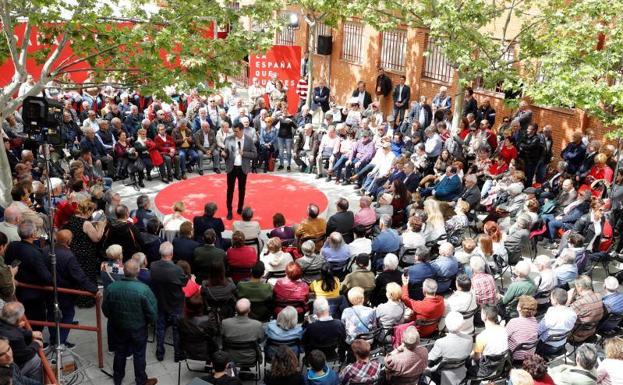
{"points": [[293, 20]]}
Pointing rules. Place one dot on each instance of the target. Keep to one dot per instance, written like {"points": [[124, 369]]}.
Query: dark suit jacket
{"points": [[21, 342], [167, 282], [412, 182], [33, 269], [249, 153], [202, 223], [471, 196], [183, 249], [321, 98], [367, 98], [343, 223], [406, 96], [69, 274], [204, 257], [198, 140], [151, 247]]}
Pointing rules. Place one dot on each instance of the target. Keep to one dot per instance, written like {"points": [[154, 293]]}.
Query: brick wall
{"points": [[342, 77]]}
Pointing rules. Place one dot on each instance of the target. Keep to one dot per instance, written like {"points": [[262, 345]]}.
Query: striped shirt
{"points": [[483, 286], [522, 330]]}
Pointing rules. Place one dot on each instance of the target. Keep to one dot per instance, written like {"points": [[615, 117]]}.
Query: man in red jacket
{"points": [[431, 308], [166, 147]]}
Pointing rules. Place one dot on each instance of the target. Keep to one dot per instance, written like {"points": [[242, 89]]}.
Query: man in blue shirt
{"points": [[420, 271], [388, 240], [613, 302], [446, 267], [449, 187]]}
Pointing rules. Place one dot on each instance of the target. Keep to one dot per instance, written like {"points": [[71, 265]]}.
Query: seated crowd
{"points": [[414, 283]]}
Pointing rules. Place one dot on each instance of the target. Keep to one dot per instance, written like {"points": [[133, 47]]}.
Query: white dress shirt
{"points": [[239, 147]]}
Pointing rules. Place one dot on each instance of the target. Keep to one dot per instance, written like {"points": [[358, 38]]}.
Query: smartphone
{"points": [[16, 263], [98, 216]]}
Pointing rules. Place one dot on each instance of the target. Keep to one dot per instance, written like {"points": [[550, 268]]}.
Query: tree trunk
{"points": [[6, 180], [458, 104], [310, 62]]}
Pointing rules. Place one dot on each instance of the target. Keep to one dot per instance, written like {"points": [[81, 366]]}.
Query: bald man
{"points": [[70, 275], [12, 216], [241, 328]]}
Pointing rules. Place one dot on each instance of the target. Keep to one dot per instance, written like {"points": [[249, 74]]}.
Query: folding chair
{"points": [[270, 344], [245, 346], [502, 366], [523, 347]]}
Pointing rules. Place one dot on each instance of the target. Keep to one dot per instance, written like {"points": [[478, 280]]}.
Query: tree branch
{"points": [[7, 29], [45, 71], [25, 40], [80, 60]]}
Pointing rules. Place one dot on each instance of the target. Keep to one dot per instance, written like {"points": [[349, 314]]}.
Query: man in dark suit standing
{"points": [[70, 276], [401, 97], [362, 95], [32, 270], [239, 153], [383, 86], [321, 96], [167, 282], [342, 221]]}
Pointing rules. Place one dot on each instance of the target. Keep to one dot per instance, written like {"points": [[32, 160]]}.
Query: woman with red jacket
{"points": [[291, 290], [240, 258], [166, 147]]}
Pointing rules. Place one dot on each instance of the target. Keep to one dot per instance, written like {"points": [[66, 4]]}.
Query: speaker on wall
{"points": [[324, 46]]}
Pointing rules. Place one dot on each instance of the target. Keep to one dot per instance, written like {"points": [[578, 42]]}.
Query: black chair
{"points": [[195, 345], [271, 345], [446, 281], [429, 340], [254, 242], [523, 347], [543, 305], [242, 272], [374, 339], [337, 306], [331, 351], [581, 327], [612, 320], [502, 267], [309, 275], [406, 257], [501, 365], [318, 241], [413, 380], [340, 269], [246, 346], [282, 303], [470, 314], [415, 291], [447, 364], [274, 274], [558, 337], [369, 230]]}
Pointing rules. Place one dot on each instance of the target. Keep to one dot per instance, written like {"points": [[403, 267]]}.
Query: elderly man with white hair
{"points": [[446, 267], [388, 240], [546, 280], [566, 270], [463, 300], [523, 285], [389, 274], [12, 217], [323, 330], [409, 359], [241, 328], [613, 303], [456, 345]]}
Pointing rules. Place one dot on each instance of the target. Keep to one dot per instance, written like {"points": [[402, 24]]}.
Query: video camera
{"points": [[42, 119]]}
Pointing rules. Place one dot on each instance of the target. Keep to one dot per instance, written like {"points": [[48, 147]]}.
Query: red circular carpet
{"points": [[266, 194]]}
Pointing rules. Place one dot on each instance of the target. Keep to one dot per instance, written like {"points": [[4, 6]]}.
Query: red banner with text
{"points": [[283, 61]]}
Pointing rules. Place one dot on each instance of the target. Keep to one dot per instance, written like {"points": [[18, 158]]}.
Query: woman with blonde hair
{"points": [[275, 259], [435, 224], [86, 235], [392, 312], [609, 370], [459, 221], [173, 221]]}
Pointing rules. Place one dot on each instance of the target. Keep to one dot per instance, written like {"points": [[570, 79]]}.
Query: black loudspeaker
{"points": [[324, 46]]}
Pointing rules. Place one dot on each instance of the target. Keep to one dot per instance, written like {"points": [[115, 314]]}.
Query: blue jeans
{"points": [[350, 168], [164, 320], [190, 155], [130, 342], [553, 226], [339, 165], [285, 150]]}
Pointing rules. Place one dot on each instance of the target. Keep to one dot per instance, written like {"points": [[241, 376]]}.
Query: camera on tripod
{"points": [[42, 119]]}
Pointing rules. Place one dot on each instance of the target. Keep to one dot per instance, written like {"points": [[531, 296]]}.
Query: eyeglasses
{"points": [[212, 101]]}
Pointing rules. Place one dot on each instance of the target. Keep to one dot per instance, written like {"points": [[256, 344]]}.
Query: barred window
{"points": [[394, 50], [286, 35], [321, 30], [352, 42], [436, 64]]}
